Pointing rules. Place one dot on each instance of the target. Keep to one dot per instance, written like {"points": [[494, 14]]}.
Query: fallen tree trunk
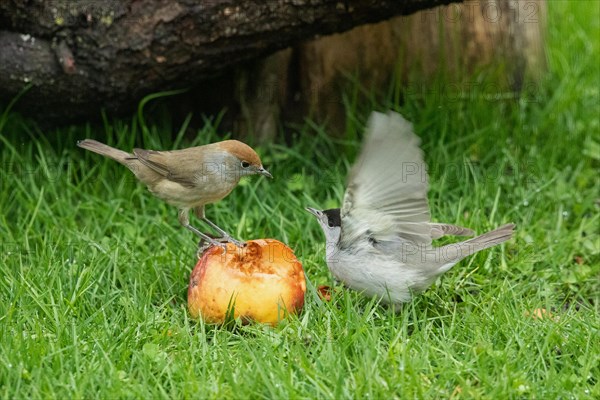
{"points": [[80, 56]]}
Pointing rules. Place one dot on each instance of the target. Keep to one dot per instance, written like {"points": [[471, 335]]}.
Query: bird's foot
{"points": [[206, 240], [209, 241], [220, 241], [224, 234], [234, 241]]}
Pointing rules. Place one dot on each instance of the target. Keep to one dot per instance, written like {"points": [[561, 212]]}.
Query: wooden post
{"points": [[457, 40]]}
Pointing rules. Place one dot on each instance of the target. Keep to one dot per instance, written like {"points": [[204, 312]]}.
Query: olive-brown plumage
{"points": [[189, 178]]}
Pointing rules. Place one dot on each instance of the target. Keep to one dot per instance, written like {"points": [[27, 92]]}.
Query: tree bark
{"points": [[80, 56]]}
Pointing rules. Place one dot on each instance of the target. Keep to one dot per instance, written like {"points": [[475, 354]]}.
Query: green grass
{"points": [[94, 270]]}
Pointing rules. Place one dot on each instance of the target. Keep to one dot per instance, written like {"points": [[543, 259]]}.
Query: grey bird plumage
{"points": [[380, 241]]}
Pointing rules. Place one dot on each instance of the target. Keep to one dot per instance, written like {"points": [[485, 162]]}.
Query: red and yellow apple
{"points": [[261, 282]]}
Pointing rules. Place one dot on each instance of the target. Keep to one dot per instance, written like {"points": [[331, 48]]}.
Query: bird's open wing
{"points": [[171, 165], [386, 196]]}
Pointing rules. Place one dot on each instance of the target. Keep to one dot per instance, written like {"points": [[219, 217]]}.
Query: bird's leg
{"points": [[203, 245], [184, 220], [224, 234], [206, 237], [199, 211]]}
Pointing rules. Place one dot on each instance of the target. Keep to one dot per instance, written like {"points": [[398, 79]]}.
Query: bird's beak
{"points": [[314, 212], [264, 172]]}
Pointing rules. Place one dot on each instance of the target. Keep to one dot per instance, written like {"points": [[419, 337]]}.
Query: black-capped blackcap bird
{"points": [[380, 241], [189, 178]]}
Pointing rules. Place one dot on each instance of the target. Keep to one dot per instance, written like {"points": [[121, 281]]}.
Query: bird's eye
{"points": [[245, 164]]}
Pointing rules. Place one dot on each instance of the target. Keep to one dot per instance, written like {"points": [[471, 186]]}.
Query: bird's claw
{"points": [[204, 244], [223, 240], [239, 244]]}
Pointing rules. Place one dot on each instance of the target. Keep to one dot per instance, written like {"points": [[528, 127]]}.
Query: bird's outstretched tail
{"points": [[489, 239], [105, 150], [439, 230], [450, 254]]}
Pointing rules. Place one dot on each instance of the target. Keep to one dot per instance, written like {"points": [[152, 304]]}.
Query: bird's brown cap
{"points": [[241, 151]]}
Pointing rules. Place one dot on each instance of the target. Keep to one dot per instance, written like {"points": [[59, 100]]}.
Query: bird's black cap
{"points": [[334, 218]]}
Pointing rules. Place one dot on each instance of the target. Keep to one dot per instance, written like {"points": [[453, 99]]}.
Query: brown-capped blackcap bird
{"points": [[380, 241], [189, 178]]}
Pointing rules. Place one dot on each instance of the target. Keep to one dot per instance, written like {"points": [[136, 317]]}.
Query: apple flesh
{"points": [[260, 282]]}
